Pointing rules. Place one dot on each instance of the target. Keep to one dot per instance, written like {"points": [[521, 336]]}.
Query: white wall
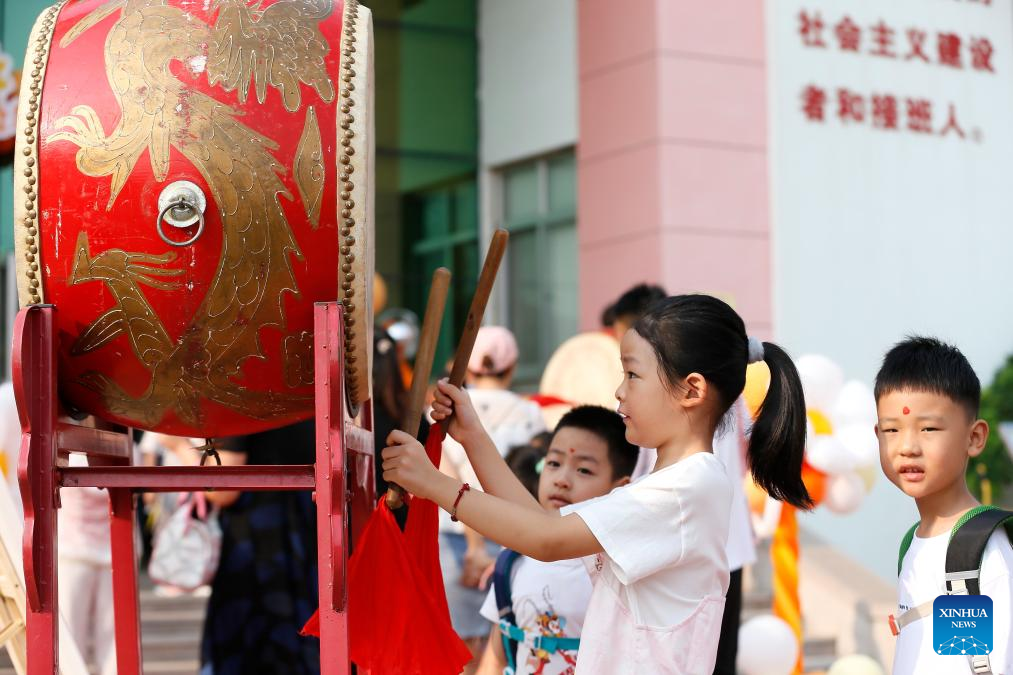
{"points": [[527, 96], [527, 78], [879, 233]]}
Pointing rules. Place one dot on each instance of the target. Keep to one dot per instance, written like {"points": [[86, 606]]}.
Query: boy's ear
{"points": [[695, 389], [979, 436], [621, 482]]}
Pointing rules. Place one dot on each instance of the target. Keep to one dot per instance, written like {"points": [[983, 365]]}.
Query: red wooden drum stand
{"points": [[342, 478]]}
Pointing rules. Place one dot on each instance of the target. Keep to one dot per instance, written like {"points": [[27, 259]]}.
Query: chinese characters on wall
{"points": [[883, 110]]}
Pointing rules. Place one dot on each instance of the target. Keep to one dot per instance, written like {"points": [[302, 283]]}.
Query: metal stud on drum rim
{"points": [[355, 205]]}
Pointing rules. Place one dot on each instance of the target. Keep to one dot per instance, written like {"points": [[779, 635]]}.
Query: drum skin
{"points": [[266, 108]]}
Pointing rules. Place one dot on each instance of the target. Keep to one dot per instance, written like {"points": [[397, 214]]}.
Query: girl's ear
{"points": [[695, 390]]}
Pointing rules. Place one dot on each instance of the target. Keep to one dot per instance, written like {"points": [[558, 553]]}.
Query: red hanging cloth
{"points": [[397, 607], [422, 528]]}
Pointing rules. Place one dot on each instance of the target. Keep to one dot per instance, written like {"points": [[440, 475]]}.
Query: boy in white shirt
{"points": [[927, 397], [588, 457]]}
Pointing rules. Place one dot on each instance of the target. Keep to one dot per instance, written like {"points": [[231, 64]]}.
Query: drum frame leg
{"points": [[342, 479], [34, 378], [126, 610]]}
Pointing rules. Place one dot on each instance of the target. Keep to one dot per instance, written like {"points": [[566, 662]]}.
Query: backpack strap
{"points": [[966, 549], [905, 544], [899, 622], [505, 604], [548, 643], [501, 583], [964, 554], [980, 664], [553, 644]]}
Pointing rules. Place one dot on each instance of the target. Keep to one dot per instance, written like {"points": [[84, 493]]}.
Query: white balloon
{"points": [[854, 405], [860, 440], [765, 524], [856, 664], [767, 646], [844, 493], [822, 380], [828, 454], [1006, 434]]}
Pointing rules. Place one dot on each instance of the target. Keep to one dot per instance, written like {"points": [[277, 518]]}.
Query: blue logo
{"points": [[962, 625]]}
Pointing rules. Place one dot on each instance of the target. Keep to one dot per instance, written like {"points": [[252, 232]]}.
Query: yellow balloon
{"points": [[756, 497], [821, 424], [379, 294], [757, 382]]}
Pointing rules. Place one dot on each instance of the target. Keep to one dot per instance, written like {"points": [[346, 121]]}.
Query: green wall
{"points": [[426, 79], [16, 20]]}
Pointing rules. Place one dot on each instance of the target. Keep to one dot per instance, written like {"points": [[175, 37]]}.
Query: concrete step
{"points": [[171, 631]]}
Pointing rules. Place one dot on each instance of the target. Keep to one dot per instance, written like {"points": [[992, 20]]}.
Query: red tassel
{"points": [[397, 607]]}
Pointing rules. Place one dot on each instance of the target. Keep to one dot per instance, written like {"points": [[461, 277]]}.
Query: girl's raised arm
{"points": [[465, 427], [535, 533]]}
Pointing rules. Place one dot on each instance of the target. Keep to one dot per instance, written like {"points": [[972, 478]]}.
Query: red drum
{"points": [[191, 177]]}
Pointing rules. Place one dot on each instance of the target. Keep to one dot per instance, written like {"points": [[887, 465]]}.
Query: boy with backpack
{"points": [[537, 608], [927, 398]]}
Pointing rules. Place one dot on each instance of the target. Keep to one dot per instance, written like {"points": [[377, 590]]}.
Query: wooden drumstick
{"points": [[493, 258], [423, 367]]}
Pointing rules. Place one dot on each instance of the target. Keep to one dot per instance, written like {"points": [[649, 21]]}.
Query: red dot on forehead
{"points": [[572, 451], [907, 411]]}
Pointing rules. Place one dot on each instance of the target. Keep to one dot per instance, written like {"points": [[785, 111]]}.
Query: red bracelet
{"points": [[460, 493]]}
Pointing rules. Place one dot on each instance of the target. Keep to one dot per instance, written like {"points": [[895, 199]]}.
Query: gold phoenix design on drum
{"points": [[309, 167], [248, 50]]}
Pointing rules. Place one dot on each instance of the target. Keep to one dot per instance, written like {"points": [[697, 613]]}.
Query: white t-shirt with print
{"points": [[922, 579], [548, 599], [664, 557]]}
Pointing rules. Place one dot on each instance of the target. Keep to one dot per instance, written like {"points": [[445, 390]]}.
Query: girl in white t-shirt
{"points": [[587, 457], [655, 548]]}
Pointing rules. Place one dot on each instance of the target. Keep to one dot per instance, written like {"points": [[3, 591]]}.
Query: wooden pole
{"points": [[424, 355], [493, 258]]}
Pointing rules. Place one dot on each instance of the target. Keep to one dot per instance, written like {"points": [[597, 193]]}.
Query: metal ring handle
{"points": [[209, 450], [174, 205]]}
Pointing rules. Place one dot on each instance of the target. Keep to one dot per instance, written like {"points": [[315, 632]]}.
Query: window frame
{"points": [[444, 246], [542, 222]]}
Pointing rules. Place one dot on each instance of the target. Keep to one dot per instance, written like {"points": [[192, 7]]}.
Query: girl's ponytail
{"points": [[702, 334], [777, 442]]}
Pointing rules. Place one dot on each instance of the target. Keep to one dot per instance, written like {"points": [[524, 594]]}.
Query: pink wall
{"points": [[672, 156]]}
